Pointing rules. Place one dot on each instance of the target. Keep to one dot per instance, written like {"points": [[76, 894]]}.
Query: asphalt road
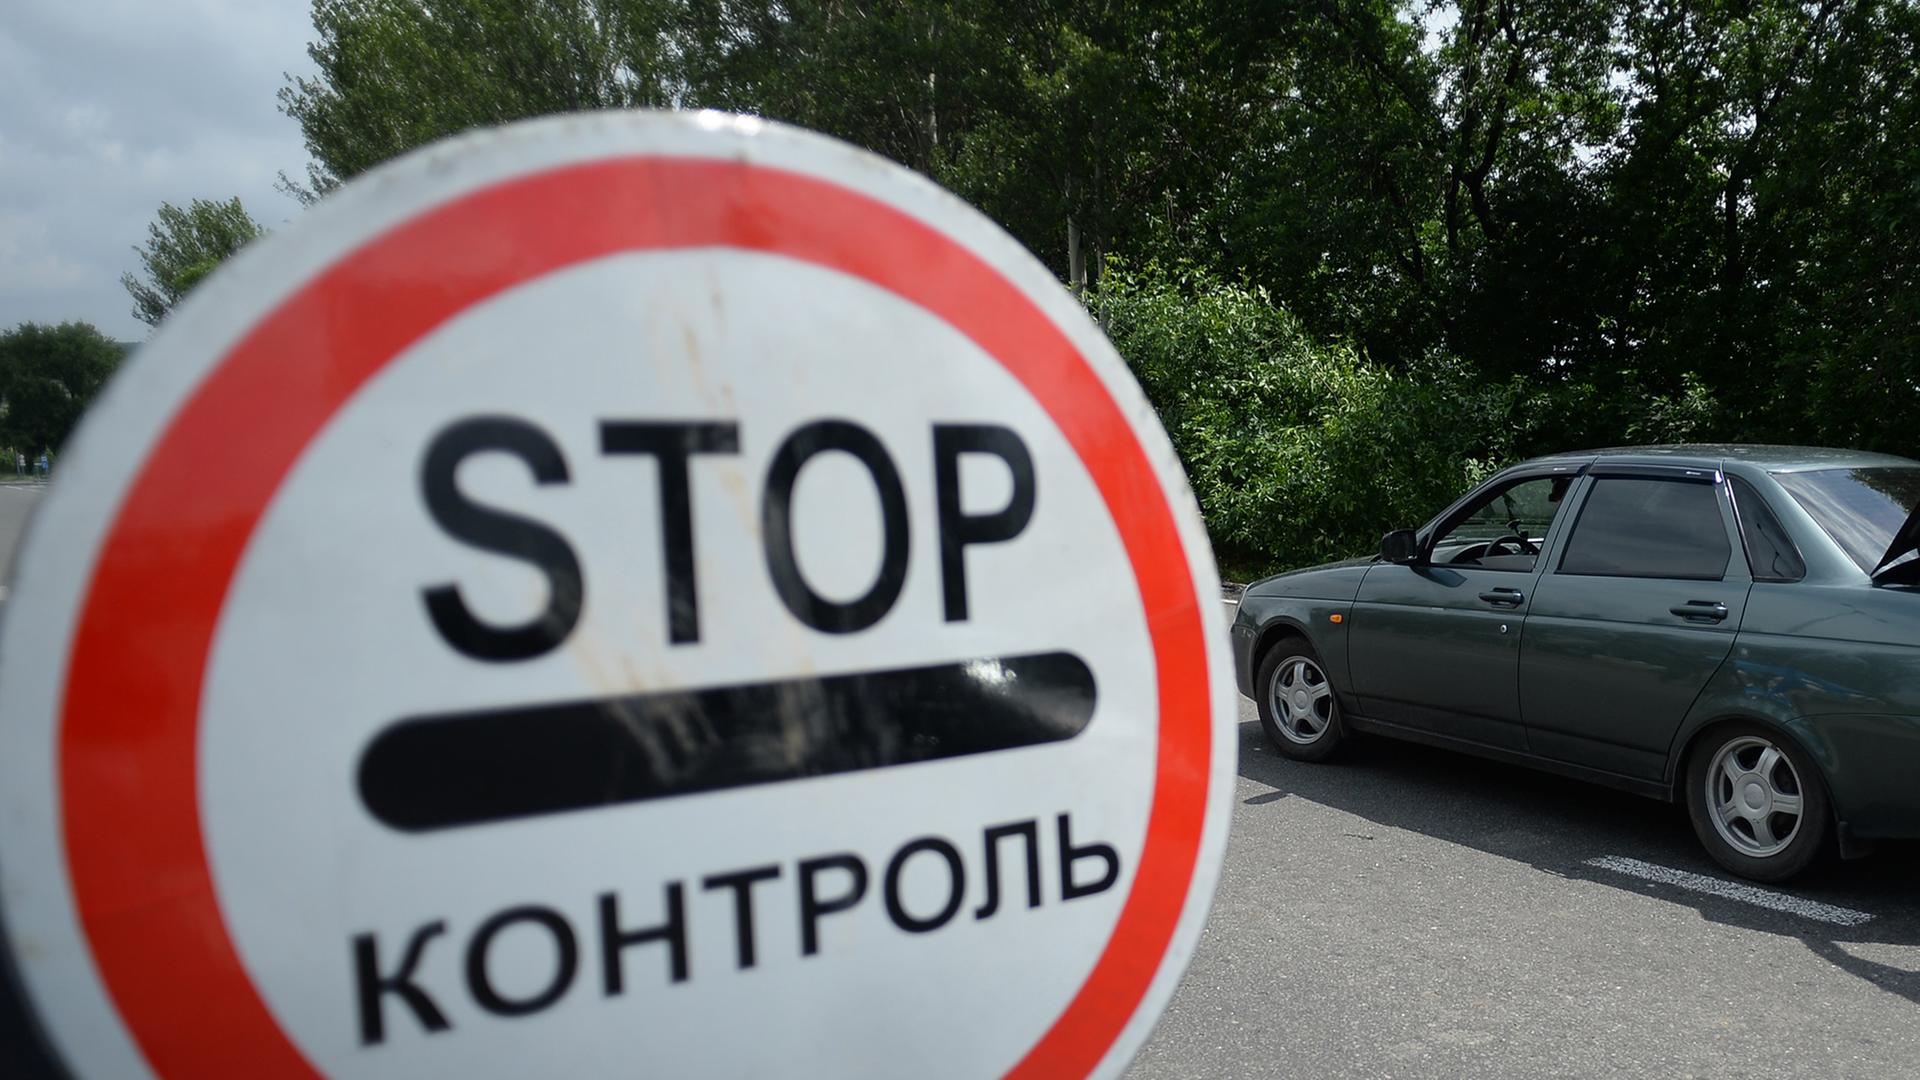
{"points": [[16, 502], [1407, 912]]}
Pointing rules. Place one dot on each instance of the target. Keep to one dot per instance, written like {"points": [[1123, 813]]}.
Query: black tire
{"points": [[1290, 669], [1733, 790]]}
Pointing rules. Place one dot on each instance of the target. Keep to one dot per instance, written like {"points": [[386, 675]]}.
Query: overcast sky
{"points": [[108, 108]]}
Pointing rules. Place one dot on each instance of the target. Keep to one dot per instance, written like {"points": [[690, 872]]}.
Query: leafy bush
{"points": [[1298, 451], [1302, 451], [1549, 416]]}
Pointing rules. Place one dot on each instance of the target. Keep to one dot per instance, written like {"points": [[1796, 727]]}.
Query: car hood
{"points": [[1905, 540], [1328, 581]]}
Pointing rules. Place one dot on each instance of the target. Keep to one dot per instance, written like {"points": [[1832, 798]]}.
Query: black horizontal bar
{"points": [[451, 769]]}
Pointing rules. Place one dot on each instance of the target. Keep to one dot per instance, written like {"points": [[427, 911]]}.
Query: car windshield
{"points": [[1860, 508]]}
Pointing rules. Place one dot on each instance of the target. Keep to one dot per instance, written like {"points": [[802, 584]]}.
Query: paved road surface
{"points": [[1414, 913], [16, 501]]}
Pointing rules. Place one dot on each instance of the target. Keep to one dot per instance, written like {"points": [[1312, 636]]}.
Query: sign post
{"points": [[672, 594]]}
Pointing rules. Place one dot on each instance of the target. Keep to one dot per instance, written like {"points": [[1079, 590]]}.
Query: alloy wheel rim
{"points": [[1300, 700], [1754, 796]]}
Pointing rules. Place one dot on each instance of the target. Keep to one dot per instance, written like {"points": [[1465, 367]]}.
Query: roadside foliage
{"points": [[1445, 234], [48, 374]]}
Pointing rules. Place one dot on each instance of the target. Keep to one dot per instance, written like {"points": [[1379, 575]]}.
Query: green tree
{"points": [[1116, 127], [1298, 450], [48, 376], [1084, 128], [183, 246], [1619, 201], [901, 79], [396, 74], [1651, 216], [1420, 178], [1828, 253]]}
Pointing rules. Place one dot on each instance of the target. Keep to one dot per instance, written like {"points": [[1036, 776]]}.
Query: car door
{"points": [[1435, 645], [1637, 611]]}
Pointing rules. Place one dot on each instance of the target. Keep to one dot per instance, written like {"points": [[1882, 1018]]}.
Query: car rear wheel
{"points": [[1757, 802], [1297, 706]]}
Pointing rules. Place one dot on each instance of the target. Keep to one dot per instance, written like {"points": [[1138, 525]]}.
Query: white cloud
{"points": [[110, 107]]}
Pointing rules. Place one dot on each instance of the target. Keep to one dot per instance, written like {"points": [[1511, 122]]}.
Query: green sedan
{"points": [[1737, 627]]}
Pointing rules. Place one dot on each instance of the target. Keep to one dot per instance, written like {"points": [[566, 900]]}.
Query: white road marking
{"points": [[1729, 890]]}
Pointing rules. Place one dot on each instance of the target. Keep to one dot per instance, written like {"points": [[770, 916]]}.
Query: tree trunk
{"points": [[1076, 262], [1076, 265]]}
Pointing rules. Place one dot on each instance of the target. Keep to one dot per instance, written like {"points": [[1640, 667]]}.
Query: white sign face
{"points": [[621, 593]]}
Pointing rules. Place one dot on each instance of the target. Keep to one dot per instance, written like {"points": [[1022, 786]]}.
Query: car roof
{"points": [[1712, 455]]}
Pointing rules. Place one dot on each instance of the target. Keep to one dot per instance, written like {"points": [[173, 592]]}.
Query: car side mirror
{"points": [[1400, 546]]}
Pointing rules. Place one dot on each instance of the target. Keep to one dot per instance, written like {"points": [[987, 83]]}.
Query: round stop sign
{"points": [[620, 592]]}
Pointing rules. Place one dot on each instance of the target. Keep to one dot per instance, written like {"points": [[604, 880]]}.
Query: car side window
{"points": [[1769, 549], [1503, 530], [1635, 527]]}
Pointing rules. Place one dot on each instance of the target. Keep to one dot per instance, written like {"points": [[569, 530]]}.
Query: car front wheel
{"points": [[1297, 705], [1757, 802]]}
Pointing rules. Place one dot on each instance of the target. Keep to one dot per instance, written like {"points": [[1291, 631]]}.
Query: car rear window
{"points": [[1860, 508], [1633, 527]]}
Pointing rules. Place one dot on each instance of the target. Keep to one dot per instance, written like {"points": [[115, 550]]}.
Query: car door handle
{"points": [[1700, 609], [1504, 597]]}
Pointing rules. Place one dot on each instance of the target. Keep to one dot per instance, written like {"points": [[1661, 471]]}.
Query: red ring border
{"points": [[129, 727]]}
